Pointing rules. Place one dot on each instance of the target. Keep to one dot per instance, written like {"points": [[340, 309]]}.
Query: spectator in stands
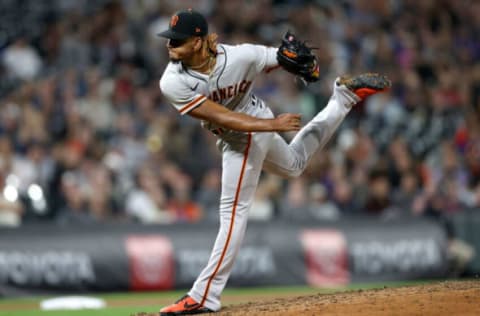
{"points": [[344, 199], [21, 60], [74, 210], [320, 206], [294, 203], [208, 194], [68, 158], [96, 106], [263, 205], [405, 194], [11, 209], [181, 206], [147, 202], [100, 200], [379, 195]]}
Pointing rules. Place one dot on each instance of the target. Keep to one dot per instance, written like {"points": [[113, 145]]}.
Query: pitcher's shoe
{"points": [[184, 306], [366, 84]]}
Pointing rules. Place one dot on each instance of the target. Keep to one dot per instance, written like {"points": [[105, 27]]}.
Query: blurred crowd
{"points": [[86, 136]]}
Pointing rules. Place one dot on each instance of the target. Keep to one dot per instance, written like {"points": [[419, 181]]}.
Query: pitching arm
{"points": [[219, 115]]}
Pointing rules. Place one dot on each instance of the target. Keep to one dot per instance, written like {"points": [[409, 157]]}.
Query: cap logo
{"points": [[173, 20], [197, 30]]}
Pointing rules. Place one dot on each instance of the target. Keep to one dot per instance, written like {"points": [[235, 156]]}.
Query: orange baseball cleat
{"points": [[184, 306], [366, 84]]}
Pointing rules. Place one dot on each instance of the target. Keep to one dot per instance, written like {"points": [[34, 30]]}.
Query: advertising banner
{"points": [[46, 259]]}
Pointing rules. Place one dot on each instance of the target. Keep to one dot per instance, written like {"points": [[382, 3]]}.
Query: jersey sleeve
{"points": [[263, 57], [180, 95]]}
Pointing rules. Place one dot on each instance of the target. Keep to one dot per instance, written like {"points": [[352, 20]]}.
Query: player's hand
{"points": [[287, 122]]}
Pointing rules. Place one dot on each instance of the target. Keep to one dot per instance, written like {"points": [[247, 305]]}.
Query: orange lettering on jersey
{"points": [[173, 20], [231, 91]]}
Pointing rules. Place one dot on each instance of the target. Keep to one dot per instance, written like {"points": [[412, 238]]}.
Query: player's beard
{"points": [[175, 60]]}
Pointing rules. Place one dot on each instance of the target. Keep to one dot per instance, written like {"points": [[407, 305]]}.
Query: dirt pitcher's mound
{"points": [[444, 298]]}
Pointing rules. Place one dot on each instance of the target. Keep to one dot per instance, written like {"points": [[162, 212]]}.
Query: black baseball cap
{"points": [[185, 24]]}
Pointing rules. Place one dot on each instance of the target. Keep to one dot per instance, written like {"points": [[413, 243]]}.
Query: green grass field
{"points": [[130, 303]]}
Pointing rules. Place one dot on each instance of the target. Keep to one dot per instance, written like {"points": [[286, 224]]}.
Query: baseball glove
{"points": [[297, 58]]}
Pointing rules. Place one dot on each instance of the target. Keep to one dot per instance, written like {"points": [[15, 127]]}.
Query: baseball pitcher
{"points": [[213, 83]]}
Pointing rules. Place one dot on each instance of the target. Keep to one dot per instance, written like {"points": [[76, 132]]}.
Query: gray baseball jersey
{"points": [[229, 83], [245, 155]]}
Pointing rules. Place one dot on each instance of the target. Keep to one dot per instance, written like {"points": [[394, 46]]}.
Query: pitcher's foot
{"points": [[365, 85], [184, 306]]}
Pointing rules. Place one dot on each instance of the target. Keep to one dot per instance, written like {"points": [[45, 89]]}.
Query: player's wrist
{"points": [[272, 125]]}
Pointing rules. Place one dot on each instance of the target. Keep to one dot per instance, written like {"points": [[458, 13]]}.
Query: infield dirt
{"points": [[449, 298]]}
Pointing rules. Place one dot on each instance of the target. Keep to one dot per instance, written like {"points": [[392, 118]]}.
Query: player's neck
{"points": [[203, 66]]}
